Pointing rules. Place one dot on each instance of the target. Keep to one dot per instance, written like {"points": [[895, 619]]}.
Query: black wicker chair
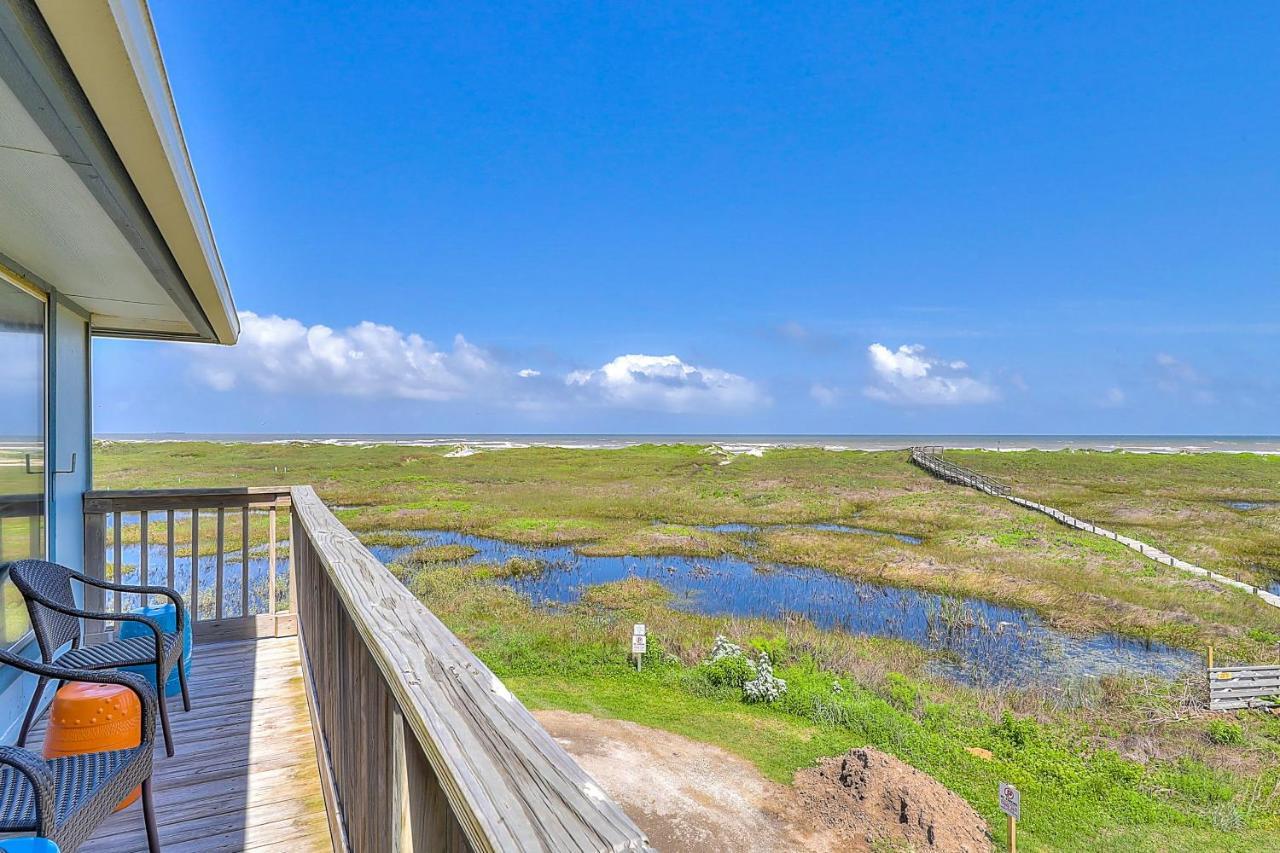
{"points": [[67, 799], [56, 621]]}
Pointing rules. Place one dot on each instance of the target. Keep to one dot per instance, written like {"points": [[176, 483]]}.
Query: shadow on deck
{"points": [[245, 775]]}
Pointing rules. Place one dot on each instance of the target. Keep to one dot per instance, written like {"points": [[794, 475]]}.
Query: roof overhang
{"points": [[98, 198]]}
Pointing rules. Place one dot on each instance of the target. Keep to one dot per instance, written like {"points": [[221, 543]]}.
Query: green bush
{"points": [[1262, 635], [729, 671], [903, 692], [774, 647], [1224, 733]]}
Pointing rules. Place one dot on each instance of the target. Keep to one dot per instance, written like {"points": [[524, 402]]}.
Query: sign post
{"points": [[1011, 805], [639, 644]]}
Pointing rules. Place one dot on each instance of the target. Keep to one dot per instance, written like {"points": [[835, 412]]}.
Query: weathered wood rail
{"points": [[930, 459], [26, 513], [207, 547], [426, 748], [1234, 687]]}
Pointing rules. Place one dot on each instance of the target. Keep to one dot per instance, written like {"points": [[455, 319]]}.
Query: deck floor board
{"points": [[245, 774]]}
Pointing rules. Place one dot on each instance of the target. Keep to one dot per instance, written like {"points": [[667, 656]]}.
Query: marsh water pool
{"points": [[975, 641]]}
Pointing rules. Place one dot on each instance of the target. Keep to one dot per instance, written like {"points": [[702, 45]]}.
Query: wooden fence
{"points": [[209, 541], [1235, 687], [425, 748]]}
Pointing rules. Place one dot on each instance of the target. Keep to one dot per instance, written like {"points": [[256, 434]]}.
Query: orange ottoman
{"points": [[88, 717]]}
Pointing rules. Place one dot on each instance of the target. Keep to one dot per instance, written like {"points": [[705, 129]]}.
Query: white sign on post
{"points": [[639, 640], [1010, 801]]}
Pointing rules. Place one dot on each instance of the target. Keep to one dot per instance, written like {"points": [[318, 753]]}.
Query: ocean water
{"points": [[743, 443]]}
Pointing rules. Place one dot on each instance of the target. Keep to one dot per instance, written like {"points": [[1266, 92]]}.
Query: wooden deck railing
{"points": [[426, 747], [219, 547]]}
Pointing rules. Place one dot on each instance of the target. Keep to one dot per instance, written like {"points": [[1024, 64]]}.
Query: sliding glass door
{"points": [[23, 403]]}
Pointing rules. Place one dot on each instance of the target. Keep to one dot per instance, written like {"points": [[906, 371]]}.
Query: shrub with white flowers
{"points": [[723, 649], [765, 687]]}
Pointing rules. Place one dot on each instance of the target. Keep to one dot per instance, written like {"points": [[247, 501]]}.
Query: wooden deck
{"points": [[245, 775]]}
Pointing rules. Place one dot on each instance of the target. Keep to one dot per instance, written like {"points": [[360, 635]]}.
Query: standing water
{"points": [[976, 641]]}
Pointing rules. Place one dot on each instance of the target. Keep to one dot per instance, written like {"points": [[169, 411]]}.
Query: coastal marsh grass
{"points": [[1177, 502], [650, 499]]}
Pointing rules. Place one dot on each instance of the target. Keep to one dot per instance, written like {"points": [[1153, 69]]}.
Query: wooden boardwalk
{"points": [[929, 459], [245, 775]]}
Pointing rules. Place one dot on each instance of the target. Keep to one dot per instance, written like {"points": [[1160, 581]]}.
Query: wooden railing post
{"points": [[95, 559]]}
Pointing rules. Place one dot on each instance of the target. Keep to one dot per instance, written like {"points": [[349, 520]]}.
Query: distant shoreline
{"points": [[745, 443]]}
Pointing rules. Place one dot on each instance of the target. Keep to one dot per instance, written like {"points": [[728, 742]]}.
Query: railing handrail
{"points": [[133, 500], [508, 783], [930, 458]]}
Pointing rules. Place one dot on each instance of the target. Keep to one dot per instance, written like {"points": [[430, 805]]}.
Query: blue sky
{"points": [[820, 218]]}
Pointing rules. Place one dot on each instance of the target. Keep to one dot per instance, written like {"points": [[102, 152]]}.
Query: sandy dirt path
{"points": [[685, 795]]}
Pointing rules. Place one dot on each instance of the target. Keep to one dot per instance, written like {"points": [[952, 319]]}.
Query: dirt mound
{"points": [[692, 797], [871, 794]]}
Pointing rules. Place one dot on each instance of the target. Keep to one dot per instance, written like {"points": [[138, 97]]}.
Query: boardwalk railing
{"points": [[931, 459], [219, 547], [1235, 687], [425, 748]]}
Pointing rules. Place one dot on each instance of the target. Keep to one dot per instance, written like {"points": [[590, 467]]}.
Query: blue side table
{"points": [[28, 845], [167, 616]]}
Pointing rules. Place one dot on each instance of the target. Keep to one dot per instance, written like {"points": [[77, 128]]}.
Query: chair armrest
{"points": [[42, 782], [120, 617], [139, 685], [143, 589]]}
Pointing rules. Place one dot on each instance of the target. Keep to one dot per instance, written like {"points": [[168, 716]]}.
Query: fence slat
{"points": [[116, 576], [220, 549], [271, 560], [144, 554], [244, 560], [169, 575], [195, 566]]}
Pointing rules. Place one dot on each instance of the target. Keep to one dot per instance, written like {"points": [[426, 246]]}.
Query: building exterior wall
{"points": [[68, 430]]}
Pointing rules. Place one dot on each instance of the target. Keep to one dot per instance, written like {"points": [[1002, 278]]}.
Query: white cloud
{"points": [[665, 383], [529, 373], [824, 395], [282, 355], [1113, 398], [907, 376], [1178, 378]]}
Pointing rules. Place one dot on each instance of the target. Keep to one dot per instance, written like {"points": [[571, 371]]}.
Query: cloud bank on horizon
{"points": [[282, 355], [285, 357]]}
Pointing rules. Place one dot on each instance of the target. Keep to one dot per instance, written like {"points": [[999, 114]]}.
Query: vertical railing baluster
{"points": [[217, 582], [271, 560], [169, 519], [195, 566], [115, 553], [144, 577], [244, 561]]}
